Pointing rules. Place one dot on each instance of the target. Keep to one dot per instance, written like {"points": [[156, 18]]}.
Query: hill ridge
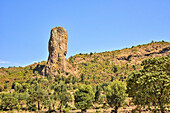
{"points": [[96, 67]]}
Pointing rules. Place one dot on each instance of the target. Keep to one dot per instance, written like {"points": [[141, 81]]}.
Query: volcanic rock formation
{"points": [[57, 48]]}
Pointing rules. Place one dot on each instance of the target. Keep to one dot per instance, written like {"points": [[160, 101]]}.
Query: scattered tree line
{"points": [[149, 89]]}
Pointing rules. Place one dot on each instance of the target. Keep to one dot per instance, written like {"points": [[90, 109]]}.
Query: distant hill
{"points": [[93, 68], [104, 66]]}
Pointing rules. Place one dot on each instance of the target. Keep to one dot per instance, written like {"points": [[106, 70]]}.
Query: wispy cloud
{"points": [[3, 62]]}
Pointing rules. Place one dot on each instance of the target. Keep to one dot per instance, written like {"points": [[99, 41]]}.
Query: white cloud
{"points": [[3, 62]]}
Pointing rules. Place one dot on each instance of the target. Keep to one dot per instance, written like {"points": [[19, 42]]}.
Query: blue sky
{"points": [[92, 26]]}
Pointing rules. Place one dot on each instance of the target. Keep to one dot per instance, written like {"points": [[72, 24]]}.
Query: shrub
{"points": [[116, 94], [84, 97]]}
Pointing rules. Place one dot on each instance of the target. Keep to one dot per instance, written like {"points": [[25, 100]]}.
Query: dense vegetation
{"points": [[98, 82], [151, 85]]}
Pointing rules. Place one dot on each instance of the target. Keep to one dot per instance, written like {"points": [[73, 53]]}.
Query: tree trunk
{"points": [[162, 109], [112, 111], [49, 108], [160, 102], [116, 109], [39, 106], [53, 107]]}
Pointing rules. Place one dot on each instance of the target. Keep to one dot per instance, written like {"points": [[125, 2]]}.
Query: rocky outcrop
{"points": [[162, 52], [57, 48]]}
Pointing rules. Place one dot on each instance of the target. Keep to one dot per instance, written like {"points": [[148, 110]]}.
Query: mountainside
{"points": [[92, 68], [100, 67]]}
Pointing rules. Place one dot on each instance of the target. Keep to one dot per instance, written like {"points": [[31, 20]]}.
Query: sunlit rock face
{"points": [[57, 48]]}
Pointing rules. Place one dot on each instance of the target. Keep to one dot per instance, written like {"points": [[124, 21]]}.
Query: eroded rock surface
{"points": [[57, 48]]}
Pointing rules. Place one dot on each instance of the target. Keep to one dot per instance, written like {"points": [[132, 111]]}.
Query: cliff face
{"points": [[57, 48]]}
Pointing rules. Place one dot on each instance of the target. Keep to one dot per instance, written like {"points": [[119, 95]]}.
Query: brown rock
{"points": [[57, 48]]}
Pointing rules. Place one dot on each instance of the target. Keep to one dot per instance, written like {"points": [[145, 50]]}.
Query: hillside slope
{"points": [[93, 68], [101, 67]]}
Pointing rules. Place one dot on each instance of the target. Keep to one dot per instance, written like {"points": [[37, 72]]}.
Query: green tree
{"points": [[91, 53], [21, 97], [112, 78], [54, 98], [58, 78], [71, 60], [102, 98], [98, 93], [151, 85], [37, 96], [8, 101], [26, 87], [61, 91], [116, 94], [50, 100], [115, 68], [64, 98], [74, 79], [68, 80], [18, 87], [60, 88], [82, 77], [84, 97]]}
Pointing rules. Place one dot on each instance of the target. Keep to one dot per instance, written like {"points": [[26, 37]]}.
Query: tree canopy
{"points": [[84, 97], [116, 94], [151, 85]]}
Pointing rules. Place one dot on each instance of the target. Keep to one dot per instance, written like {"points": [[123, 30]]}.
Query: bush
{"points": [[91, 53], [8, 102], [84, 97], [116, 94]]}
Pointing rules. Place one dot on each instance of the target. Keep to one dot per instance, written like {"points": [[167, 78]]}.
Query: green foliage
{"points": [[74, 80], [152, 83], [33, 92], [116, 94], [21, 97], [32, 107], [60, 88], [25, 86], [98, 93], [112, 78], [68, 80], [102, 98], [134, 67], [115, 69], [82, 77], [71, 60], [58, 78], [18, 87], [65, 97], [37, 96], [84, 97], [91, 53], [8, 102]]}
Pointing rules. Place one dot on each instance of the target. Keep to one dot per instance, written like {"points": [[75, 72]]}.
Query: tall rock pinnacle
{"points": [[57, 48]]}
